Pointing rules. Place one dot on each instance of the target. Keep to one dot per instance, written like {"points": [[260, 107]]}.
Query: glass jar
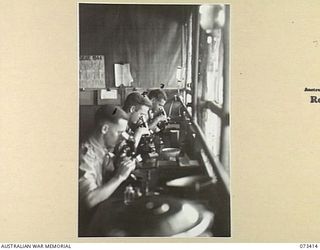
{"points": [[129, 195]]}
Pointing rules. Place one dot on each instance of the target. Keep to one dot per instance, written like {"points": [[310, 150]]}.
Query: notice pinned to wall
{"points": [[122, 75], [109, 94], [92, 72]]}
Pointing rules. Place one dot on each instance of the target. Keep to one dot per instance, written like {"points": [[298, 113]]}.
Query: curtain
{"points": [[149, 37]]}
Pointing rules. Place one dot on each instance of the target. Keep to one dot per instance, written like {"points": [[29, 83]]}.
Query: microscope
{"points": [[159, 132], [146, 147], [139, 180], [127, 148], [162, 124]]}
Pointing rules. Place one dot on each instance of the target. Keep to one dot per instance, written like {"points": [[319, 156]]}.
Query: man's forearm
{"points": [[137, 138], [102, 193], [153, 124]]}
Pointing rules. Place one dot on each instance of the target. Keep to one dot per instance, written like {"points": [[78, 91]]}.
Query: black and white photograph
{"points": [[133, 124], [154, 120]]}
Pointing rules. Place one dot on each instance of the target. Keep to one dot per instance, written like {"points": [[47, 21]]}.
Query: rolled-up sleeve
{"points": [[88, 176], [88, 180]]}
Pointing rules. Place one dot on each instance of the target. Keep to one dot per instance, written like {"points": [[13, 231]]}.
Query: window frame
{"points": [[199, 105]]}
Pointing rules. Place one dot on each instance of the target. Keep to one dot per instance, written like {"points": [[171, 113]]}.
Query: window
{"points": [[210, 86]]}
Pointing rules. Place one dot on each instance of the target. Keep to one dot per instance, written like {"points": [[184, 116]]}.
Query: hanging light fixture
{"points": [[211, 16]]}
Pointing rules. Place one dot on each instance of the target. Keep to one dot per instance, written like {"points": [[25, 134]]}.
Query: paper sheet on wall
{"points": [[92, 72], [122, 74], [109, 94]]}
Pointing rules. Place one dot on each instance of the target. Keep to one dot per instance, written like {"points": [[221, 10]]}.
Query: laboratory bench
{"points": [[169, 196]]}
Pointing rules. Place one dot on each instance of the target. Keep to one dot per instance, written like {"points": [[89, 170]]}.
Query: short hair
{"points": [[136, 99], [109, 113], [157, 94]]}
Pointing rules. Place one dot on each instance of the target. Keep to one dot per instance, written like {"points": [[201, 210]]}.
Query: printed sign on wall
{"points": [[92, 73]]}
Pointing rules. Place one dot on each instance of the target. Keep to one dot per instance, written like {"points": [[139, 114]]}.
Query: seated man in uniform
{"points": [[98, 177], [137, 106], [158, 98]]}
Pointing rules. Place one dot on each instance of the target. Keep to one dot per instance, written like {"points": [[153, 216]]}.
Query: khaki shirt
{"points": [[96, 166]]}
